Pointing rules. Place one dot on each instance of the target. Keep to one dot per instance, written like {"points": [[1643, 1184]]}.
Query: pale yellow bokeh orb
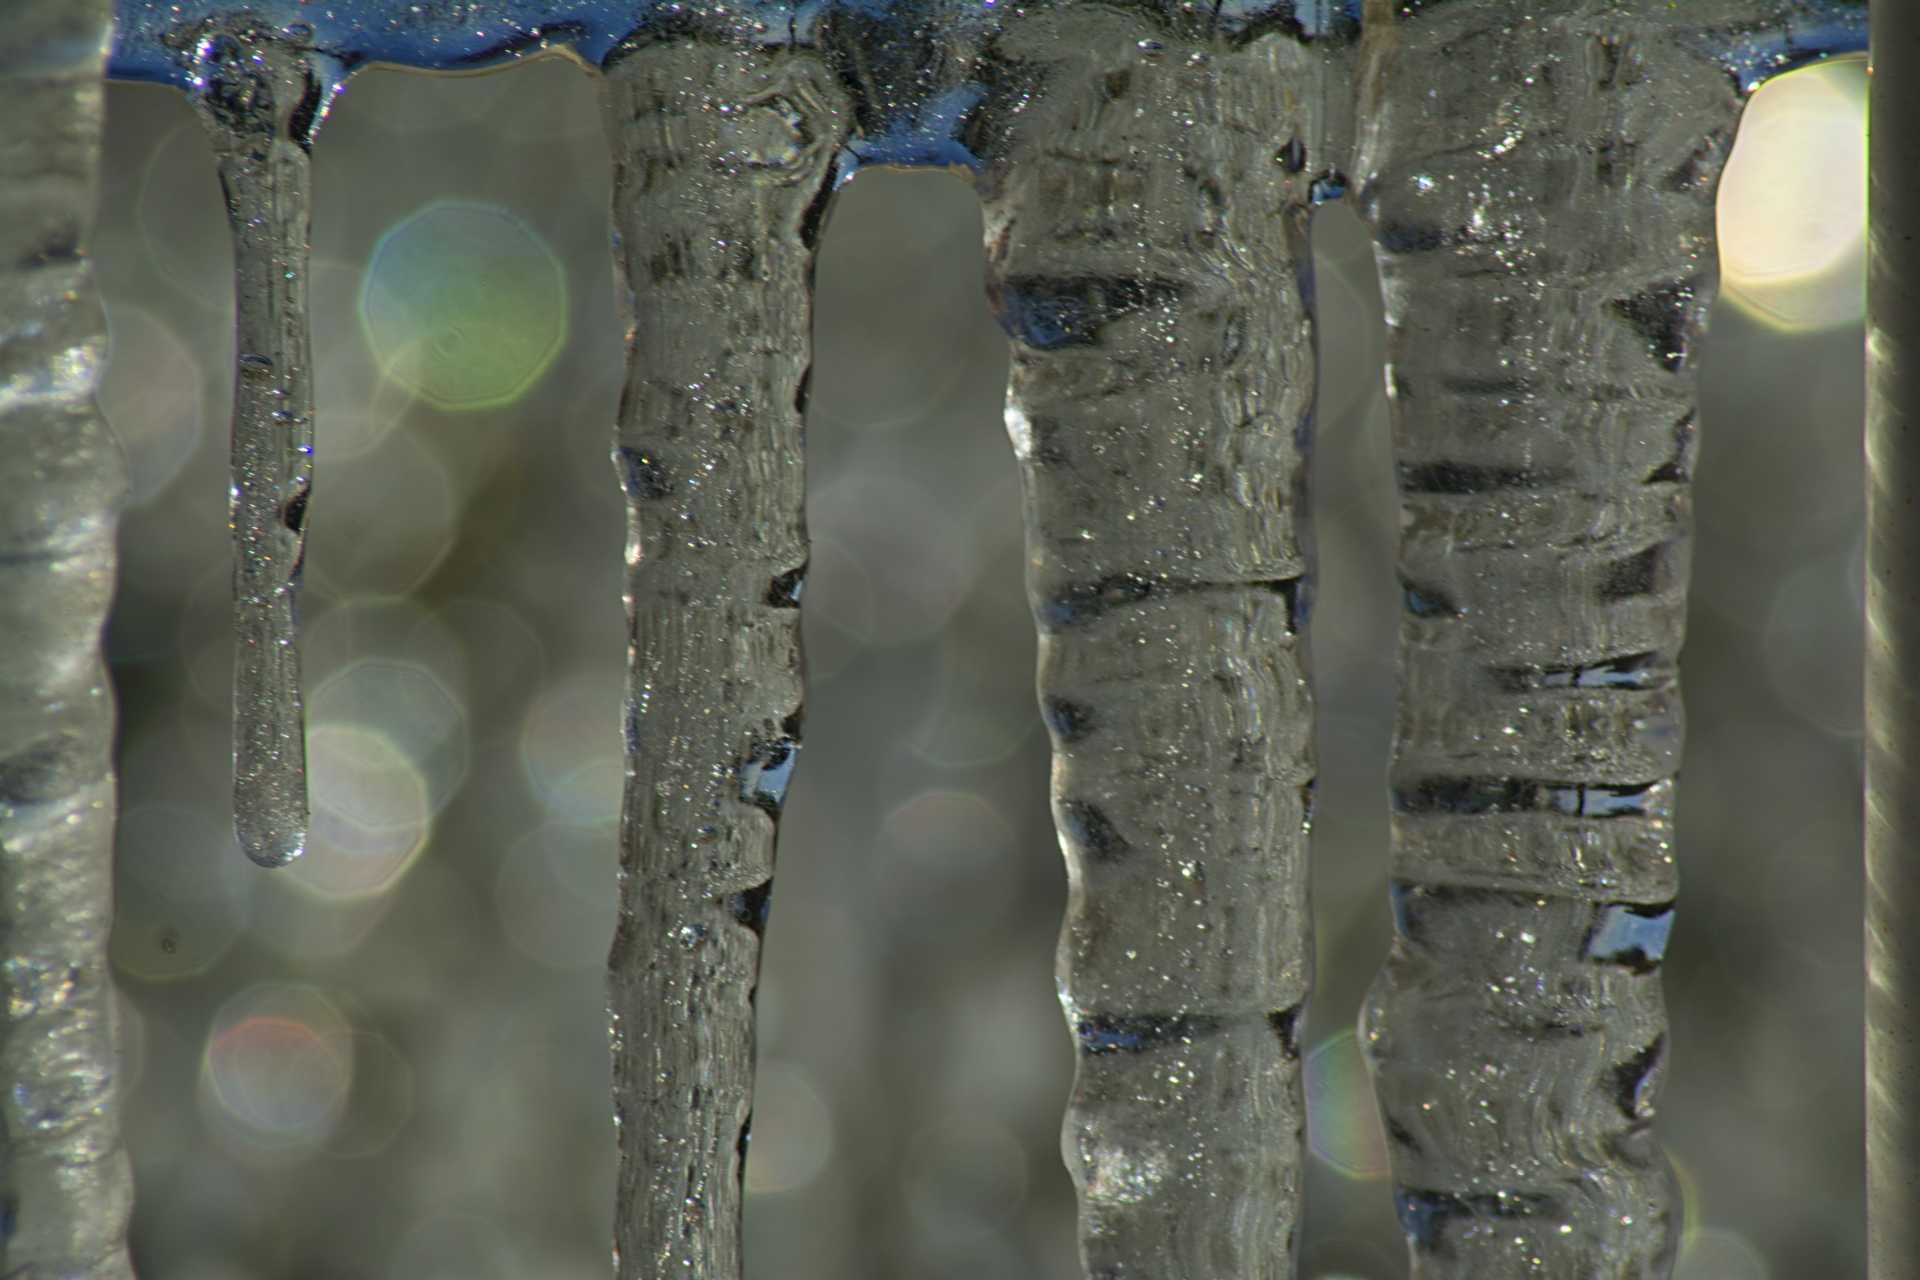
{"points": [[1793, 200], [464, 304]]}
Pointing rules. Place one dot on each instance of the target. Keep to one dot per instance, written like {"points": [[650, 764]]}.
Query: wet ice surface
{"points": [[1147, 256], [259, 101], [1540, 182], [1159, 407], [721, 159], [66, 1179]]}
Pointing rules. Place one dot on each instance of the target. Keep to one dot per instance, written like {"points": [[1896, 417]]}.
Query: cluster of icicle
{"points": [[1540, 179]]}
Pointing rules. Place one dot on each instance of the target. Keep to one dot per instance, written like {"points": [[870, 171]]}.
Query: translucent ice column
{"points": [[1540, 179], [65, 1189], [261, 101], [1146, 206], [721, 159]]}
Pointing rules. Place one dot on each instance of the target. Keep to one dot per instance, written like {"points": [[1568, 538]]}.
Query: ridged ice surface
{"points": [[65, 1187], [261, 104], [721, 165], [1540, 179], [1145, 204]]}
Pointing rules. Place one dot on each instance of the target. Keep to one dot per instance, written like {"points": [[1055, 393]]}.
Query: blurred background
{"points": [[390, 1060]]}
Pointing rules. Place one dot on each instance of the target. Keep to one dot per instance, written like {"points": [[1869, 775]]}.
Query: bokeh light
{"points": [[966, 1175], [570, 745], [837, 605], [982, 706], [153, 396], [346, 630], [1792, 204], [371, 810], [909, 553], [130, 1042], [1710, 1253], [1815, 872], [1343, 1123], [187, 894], [456, 1246], [556, 895], [792, 1130], [1820, 681], [380, 1102], [941, 841], [384, 519], [408, 703], [465, 303], [178, 185], [277, 1069]]}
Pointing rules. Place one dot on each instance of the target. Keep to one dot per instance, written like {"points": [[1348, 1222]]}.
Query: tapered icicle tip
{"points": [[270, 800], [273, 831], [270, 846]]}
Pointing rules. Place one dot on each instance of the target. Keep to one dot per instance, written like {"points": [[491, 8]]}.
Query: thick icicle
{"points": [[261, 102], [1146, 212], [1540, 178], [65, 1188], [721, 161]]}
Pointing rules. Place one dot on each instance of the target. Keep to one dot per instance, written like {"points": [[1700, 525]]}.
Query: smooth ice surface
{"points": [[65, 1188], [1540, 181]]}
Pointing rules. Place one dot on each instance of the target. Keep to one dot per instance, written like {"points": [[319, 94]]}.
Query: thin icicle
{"points": [[1146, 212], [261, 101], [1540, 178], [721, 161], [65, 1187]]}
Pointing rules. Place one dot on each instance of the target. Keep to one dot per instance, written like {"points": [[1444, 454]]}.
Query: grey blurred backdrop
{"points": [[390, 1061]]}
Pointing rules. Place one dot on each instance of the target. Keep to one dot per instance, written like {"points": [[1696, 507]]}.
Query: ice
{"points": [[67, 1186], [1146, 210], [1540, 180], [262, 102], [722, 161]]}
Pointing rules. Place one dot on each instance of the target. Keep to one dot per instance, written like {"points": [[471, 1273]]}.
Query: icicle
{"points": [[65, 1187], [1146, 246], [1540, 179], [721, 168], [262, 101]]}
